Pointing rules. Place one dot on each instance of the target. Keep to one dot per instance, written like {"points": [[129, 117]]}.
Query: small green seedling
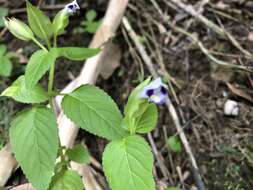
{"points": [[174, 144], [5, 62], [3, 13], [90, 24]]}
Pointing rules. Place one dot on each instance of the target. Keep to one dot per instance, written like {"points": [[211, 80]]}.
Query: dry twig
{"points": [[221, 31]]}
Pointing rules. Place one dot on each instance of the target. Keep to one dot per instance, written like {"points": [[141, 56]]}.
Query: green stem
{"points": [[51, 76], [55, 40], [48, 44], [39, 44], [51, 84], [51, 79]]}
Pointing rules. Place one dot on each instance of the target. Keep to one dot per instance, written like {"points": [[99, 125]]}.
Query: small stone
{"points": [[231, 108]]}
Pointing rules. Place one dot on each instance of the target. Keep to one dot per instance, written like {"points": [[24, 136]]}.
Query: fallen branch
{"points": [[67, 130], [169, 105]]}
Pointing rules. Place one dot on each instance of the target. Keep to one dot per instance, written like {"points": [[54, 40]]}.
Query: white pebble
{"points": [[231, 108]]}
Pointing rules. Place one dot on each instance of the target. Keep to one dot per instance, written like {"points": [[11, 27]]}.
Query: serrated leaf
{"points": [[93, 110], [78, 154], [91, 15], [76, 53], [38, 65], [5, 66], [148, 120], [3, 13], [34, 141], [67, 180], [128, 164], [174, 144], [39, 22], [19, 92]]}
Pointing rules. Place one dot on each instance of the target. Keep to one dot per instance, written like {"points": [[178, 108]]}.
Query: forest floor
{"points": [[222, 145]]}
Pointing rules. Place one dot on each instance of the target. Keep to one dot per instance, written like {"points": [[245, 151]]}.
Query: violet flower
{"points": [[155, 92], [72, 7]]}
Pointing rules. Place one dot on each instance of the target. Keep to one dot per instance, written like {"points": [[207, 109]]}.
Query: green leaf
{"points": [[174, 144], [34, 141], [148, 120], [67, 180], [92, 27], [144, 120], [38, 65], [135, 108], [3, 49], [128, 164], [77, 54], [134, 101], [91, 15], [79, 154], [5, 66], [20, 93], [3, 13], [39, 22], [61, 21], [93, 110]]}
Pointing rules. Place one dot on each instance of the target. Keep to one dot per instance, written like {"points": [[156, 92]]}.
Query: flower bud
{"points": [[19, 29]]}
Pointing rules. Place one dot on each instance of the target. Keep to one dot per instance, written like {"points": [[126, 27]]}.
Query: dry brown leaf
{"points": [[240, 92], [111, 61]]}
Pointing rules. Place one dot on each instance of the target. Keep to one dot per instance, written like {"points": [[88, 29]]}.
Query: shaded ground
{"points": [[223, 146]]}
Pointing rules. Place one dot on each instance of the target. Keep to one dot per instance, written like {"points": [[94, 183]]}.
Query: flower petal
{"points": [[155, 84], [72, 7], [158, 99]]}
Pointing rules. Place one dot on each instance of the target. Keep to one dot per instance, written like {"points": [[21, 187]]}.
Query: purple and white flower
{"points": [[156, 92], [72, 7]]}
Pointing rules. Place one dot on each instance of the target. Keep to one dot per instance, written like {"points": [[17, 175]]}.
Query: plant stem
{"points": [[39, 44], [51, 83], [48, 44], [55, 40], [51, 78]]}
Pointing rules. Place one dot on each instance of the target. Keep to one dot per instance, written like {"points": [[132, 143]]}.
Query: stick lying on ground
{"points": [[217, 29], [169, 105], [89, 74]]}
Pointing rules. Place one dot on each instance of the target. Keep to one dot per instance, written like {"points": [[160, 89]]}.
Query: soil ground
{"points": [[222, 145]]}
